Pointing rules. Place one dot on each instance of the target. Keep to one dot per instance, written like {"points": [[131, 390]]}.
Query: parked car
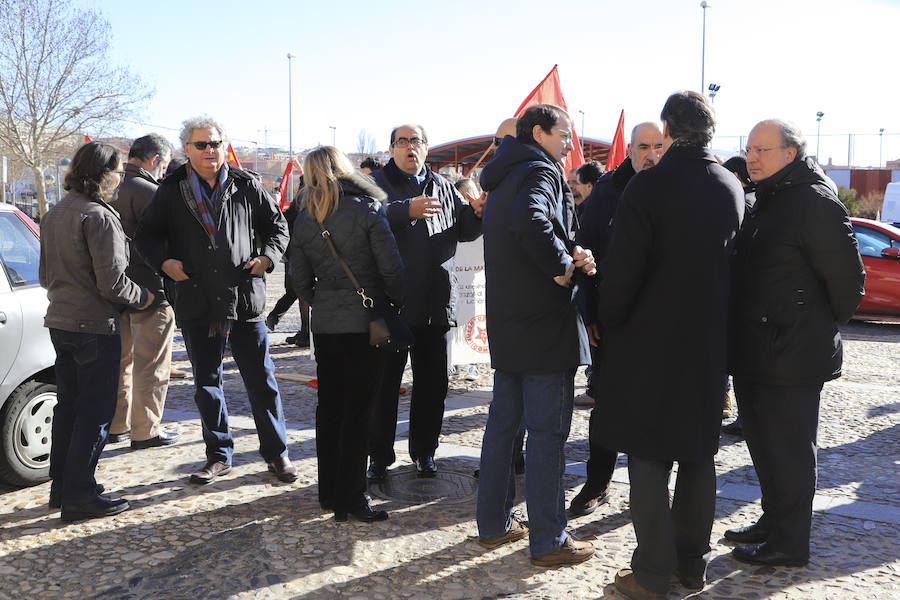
{"points": [[879, 246], [27, 380]]}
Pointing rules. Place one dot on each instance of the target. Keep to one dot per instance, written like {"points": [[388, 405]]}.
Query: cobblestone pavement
{"points": [[249, 536]]}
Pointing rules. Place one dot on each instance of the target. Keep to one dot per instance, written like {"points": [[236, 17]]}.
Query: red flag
{"points": [[617, 149], [549, 91], [87, 140], [232, 156], [282, 187]]}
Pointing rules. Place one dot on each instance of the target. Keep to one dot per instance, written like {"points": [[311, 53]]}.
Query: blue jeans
{"points": [[250, 348], [544, 402], [87, 380]]}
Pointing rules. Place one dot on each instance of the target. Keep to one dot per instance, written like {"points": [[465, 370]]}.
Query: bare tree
{"points": [[365, 143], [56, 81]]}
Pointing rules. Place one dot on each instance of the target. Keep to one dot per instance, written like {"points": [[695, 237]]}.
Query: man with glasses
{"points": [[428, 217], [798, 275], [663, 307], [536, 336], [214, 232]]}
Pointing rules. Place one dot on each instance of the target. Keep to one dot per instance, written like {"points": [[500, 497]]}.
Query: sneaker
{"points": [[571, 552], [516, 532], [472, 373], [452, 371]]}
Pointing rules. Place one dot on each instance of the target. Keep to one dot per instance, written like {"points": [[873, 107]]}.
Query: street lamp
{"points": [[333, 135], [582, 130], [290, 123], [880, 145], [819, 116], [704, 5], [713, 90], [65, 163]]}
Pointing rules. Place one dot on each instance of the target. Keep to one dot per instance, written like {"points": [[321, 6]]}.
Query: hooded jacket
{"points": [[248, 224], [533, 323], [428, 246], [362, 236], [798, 274]]}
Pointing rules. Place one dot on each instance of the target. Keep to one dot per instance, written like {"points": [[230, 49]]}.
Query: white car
{"points": [[27, 377]]}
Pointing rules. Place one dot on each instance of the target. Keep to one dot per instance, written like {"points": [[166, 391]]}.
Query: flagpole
{"points": [[483, 154]]}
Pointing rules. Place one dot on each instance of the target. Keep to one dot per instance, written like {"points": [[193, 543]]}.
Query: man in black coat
{"points": [[535, 333], [428, 217], [214, 232], [596, 227], [798, 275], [663, 306]]}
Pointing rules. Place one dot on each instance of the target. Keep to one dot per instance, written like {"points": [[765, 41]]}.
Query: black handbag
{"points": [[386, 329]]}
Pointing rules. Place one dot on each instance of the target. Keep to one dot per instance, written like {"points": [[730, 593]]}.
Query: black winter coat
{"points": [[798, 275], [248, 224], [363, 238], [428, 246], [533, 323], [663, 303]]}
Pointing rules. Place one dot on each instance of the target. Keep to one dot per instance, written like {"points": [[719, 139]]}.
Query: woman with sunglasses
{"points": [[346, 207]]}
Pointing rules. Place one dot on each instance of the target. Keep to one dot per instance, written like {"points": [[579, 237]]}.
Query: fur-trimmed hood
{"points": [[358, 184]]}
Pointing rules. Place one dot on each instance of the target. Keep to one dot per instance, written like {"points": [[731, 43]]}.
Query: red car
{"points": [[879, 246]]}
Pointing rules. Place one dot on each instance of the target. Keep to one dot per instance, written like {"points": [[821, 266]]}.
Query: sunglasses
{"points": [[497, 141], [202, 145]]}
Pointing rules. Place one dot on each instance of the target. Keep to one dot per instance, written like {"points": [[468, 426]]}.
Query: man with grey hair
{"points": [[798, 275], [214, 232], [146, 334]]}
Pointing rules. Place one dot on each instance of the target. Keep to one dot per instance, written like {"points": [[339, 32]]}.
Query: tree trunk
{"points": [[40, 189]]}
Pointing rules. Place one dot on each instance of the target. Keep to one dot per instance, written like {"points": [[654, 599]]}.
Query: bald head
{"points": [[646, 145], [507, 127]]}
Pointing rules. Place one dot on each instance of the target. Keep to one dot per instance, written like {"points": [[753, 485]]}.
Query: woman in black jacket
{"points": [[347, 205]]}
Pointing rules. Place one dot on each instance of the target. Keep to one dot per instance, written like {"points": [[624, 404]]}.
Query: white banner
{"points": [[468, 341]]}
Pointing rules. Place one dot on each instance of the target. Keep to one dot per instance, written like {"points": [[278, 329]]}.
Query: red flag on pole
{"points": [[282, 187], [87, 140], [549, 91], [617, 149], [232, 156]]}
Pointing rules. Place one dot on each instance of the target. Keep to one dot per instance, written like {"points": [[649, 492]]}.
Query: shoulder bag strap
{"points": [[366, 301]]}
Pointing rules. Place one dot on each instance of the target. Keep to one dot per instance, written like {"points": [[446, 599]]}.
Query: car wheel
{"points": [[25, 427]]}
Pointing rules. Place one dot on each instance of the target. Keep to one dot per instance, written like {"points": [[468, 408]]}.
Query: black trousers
{"points": [[348, 369], [780, 425], [671, 538], [601, 460], [287, 301], [426, 412]]}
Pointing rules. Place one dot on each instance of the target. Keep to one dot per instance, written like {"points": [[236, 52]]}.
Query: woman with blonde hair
{"points": [[344, 206]]}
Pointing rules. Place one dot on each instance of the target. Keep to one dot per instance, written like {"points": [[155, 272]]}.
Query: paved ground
{"points": [[249, 536]]}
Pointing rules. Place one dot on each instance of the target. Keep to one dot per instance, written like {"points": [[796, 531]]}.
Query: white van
{"points": [[890, 210]]}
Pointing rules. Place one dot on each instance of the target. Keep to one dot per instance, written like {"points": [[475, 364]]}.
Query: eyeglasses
{"points": [[406, 142], [497, 141], [566, 135], [202, 145], [760, 151]]}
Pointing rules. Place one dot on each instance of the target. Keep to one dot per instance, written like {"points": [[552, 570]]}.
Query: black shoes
{"points": [[366, 514], [768, 556], [751, 534], [165, 438], [377, 471], [425, 466], [692, 582], [115, 438], [299, 339], [283, 469], [56, 495], [588, 500], [99, 506], [733, 428]]}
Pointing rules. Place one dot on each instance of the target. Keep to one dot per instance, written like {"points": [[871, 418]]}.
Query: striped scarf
{"points": [[206, 202]]}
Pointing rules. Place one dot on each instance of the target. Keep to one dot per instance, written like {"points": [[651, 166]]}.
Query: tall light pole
{"points": [[582, 130], [819, 116], [704, 5], [290, 125], [333, 135], [880, 145], [713, 90]]}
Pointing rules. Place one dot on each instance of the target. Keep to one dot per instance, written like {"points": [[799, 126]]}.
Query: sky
{"points": [[460, 67]]}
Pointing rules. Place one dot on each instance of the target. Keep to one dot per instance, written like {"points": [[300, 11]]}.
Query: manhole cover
{"points": [[403, 485]]}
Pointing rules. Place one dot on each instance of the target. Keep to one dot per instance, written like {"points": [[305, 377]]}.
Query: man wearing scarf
{"points": [[213, 232]]}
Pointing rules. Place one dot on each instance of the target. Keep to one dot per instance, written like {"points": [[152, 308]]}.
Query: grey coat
{"points": [[84, 254], [360, 231]]}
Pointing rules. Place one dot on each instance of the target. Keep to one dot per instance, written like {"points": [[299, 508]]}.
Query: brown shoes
{"points": [[571, 552], [283, 469], [588, 500], [177, 373], [516, 532], [626, 584], [210, 471]]}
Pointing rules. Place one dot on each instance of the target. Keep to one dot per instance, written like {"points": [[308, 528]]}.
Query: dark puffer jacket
{"points": [[428, 246], [798, 275], [363, 238], [248, 224]]}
